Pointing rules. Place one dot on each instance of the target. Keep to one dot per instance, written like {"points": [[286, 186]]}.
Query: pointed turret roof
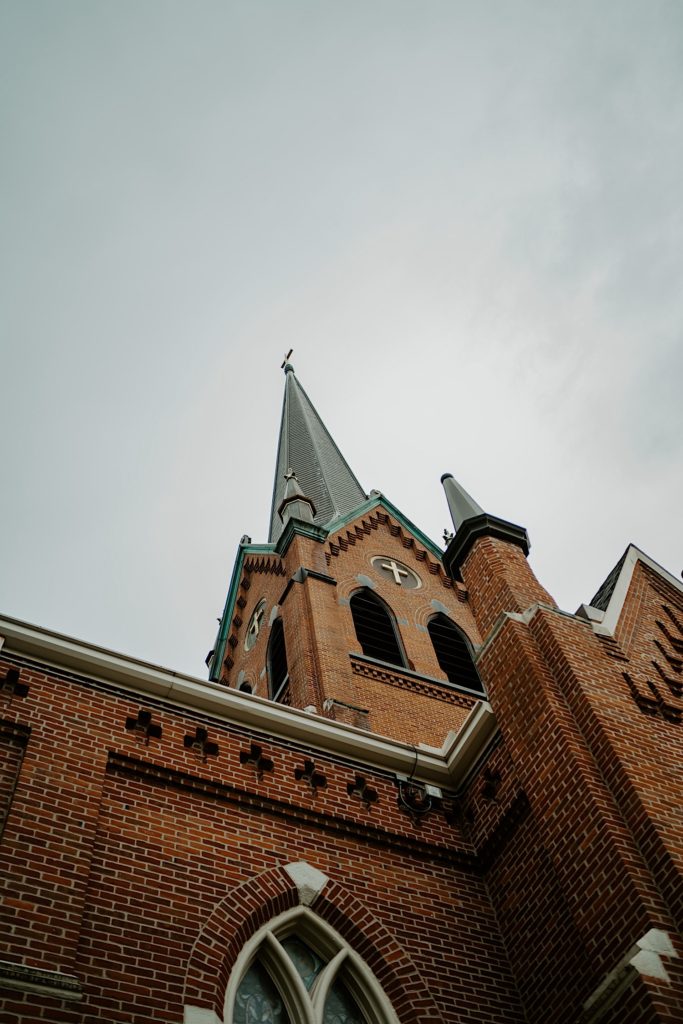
{"points": [[462, 505], [470, 522], [306, 447]]}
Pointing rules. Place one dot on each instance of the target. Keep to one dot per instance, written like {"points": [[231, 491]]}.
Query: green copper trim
{"points": [[293, 528], [297, 527], [380, 499], [224, 627]]}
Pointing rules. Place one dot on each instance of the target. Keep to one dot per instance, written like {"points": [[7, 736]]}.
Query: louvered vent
{"points": [[453, 653], [375, 630], [278, 675]]}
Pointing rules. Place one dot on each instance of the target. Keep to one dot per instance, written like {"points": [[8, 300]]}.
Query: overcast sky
{"points": [[465, 217]]}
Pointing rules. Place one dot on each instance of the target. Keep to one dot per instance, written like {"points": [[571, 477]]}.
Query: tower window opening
{"points": [[453, 654], [375, 629], [278, 673]]}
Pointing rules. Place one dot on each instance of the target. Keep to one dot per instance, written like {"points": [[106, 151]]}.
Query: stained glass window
{"points": [[307, 963], [340, 1007], [302, 972], [258, 1001]]}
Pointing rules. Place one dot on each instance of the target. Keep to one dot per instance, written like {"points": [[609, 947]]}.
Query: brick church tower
{"points": [[412, 790]]}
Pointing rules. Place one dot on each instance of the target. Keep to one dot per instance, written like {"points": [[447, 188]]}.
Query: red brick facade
{"points": [[152, 821]]}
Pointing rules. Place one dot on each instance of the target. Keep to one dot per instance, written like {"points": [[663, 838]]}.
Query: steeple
{"points": [[306, 447]]}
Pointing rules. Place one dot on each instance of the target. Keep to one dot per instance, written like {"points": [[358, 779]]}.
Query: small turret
{"points": [[295, 504], [470, 522]]}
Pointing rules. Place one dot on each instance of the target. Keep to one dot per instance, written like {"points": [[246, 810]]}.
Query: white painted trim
{"points": [[200, 1015], [22, 978], [462, 749], [309, 881], [643, 958], [525, 618], [306, 924], [440, 767], [618, 597]]}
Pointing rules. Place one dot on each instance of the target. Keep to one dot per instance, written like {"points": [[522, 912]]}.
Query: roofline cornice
{"points": [[610, 620], [447, 767], [388, 506], [226, 618]]}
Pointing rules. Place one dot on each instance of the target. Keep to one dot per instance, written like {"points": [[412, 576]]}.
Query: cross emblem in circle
{"points": [[396, 571], [255, 624]]}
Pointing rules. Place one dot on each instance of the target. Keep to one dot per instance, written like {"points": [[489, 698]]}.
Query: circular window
{"points": [[396, 572], [255, 625]]}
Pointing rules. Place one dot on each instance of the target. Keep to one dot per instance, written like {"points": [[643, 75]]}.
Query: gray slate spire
{"points": [[306, 447], [470, 522], [461, 505]]}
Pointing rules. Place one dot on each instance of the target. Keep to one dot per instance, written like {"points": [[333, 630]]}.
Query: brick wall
{"points": [[122, 845], [139, 864], [320, 635], [593, 865], [13, 740]]}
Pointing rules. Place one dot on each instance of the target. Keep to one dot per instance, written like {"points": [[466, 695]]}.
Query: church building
{"points": [[412, 789]]}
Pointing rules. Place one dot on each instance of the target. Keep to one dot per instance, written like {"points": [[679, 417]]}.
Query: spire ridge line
{"points": [[306, 446]]}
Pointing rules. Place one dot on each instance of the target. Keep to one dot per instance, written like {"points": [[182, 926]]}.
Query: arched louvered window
{"points": [[375, 628], [298, 970], [453, 653], [278, 674]]}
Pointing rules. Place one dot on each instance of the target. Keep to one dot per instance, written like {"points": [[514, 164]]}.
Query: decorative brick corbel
{"points": [[256, 757], [10, 685], [144, 726], [316, 780], [361, 789], [200, 743], [492, 781]]}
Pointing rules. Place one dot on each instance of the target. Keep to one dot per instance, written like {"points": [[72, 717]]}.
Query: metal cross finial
{"points": [[290, 474], [286, 359]]}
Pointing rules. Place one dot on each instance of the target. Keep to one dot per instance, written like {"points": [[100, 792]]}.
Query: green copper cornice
{"points": [[373, 502], [228, 611], [293, 528], [298, 528]]}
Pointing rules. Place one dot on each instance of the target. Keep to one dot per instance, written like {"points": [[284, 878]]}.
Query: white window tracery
{"points": [[298, 970]]}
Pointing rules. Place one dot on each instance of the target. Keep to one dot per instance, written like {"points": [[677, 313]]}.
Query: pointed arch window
{"points": [[453, 653], [278, 673], [298, 970], [375, 628]]}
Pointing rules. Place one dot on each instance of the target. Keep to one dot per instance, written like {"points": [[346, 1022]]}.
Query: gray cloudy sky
{"points": [[465, 217]]}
